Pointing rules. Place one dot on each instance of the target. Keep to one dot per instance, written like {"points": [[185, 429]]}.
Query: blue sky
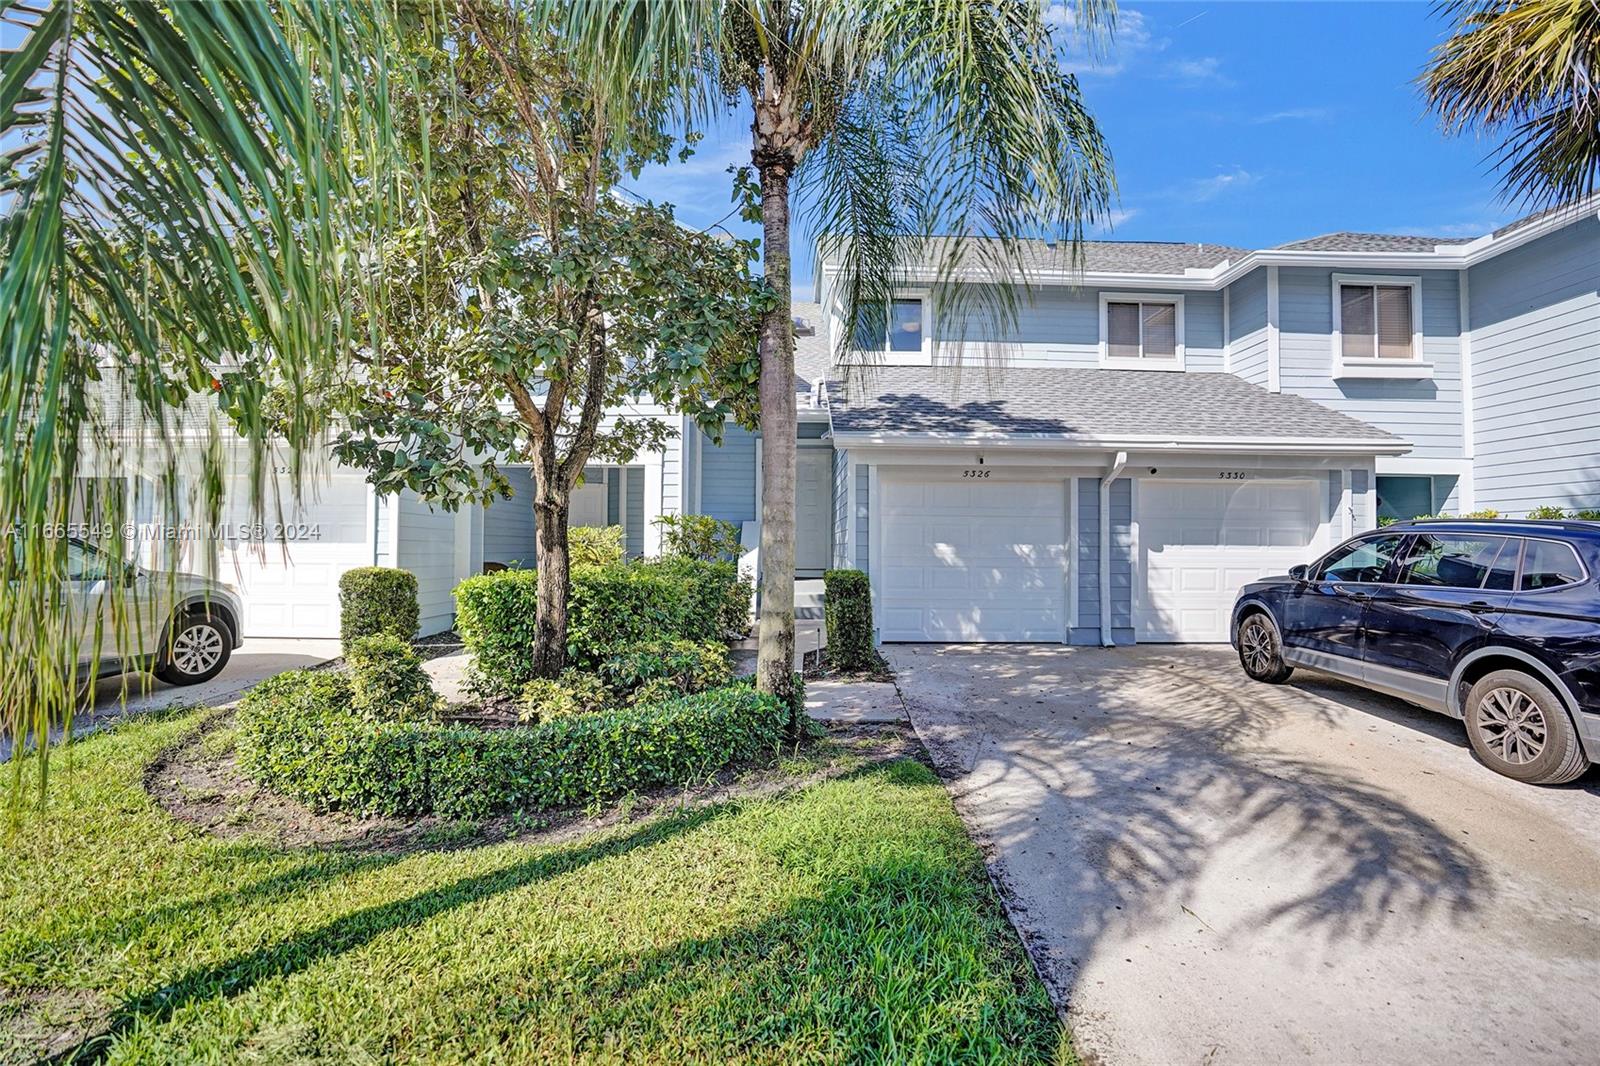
{"points": [[1239, 123]]}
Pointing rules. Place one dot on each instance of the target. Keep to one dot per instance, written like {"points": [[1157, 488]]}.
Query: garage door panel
{"points": [[973, 561], [1200, 542]]}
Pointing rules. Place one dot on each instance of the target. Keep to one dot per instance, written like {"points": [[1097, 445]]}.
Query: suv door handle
{"points": [[1479, 606]]}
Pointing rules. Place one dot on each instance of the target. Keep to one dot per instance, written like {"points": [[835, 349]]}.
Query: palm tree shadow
{"points": [[358, 928]]}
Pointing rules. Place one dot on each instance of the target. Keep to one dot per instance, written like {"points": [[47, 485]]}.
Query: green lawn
{"points": [[850, 921]]}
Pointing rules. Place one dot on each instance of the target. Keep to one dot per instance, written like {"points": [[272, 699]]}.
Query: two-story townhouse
{"points": [[1160, 423]]}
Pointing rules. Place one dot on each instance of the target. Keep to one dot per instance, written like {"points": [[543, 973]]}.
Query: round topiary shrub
{"points": [[378, 599], [387, 682]]}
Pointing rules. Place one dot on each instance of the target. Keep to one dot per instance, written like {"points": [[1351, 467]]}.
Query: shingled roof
{"points": [[1369, 242], [1094, 404]]}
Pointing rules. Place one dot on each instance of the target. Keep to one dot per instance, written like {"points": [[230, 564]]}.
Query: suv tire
{"points": [[1260, 653], [1518, 727], [195, 650]]}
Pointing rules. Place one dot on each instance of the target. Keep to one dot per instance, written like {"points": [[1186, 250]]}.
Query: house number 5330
{"points": [[1233, 475]]}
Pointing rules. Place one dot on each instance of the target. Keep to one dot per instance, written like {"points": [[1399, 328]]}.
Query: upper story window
{"points": [[1140, 331], [896, 331], [1377, 327]]}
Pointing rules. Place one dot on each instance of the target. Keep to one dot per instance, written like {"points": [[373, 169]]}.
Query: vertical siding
{"points": [[428, 549], [508, 527], [1247, 321], [841, 508], [1534, 313], [1361, 518], [1427, 413], [728, 477], [863, 517], [636, 516]]}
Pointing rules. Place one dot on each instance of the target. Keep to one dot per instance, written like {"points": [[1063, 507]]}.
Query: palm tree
{"points": [[180, 183], [1528, 71], [894, 120]]}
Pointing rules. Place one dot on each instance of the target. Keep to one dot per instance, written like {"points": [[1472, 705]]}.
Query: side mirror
{"points": [[1299, 572]]}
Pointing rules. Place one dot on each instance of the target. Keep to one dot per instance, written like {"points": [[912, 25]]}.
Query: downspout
{"points": [[1117, 464]]}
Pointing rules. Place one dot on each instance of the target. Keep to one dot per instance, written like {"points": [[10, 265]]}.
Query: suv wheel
{"points": [[1259, 653], [1519, 728], [199, 648]]}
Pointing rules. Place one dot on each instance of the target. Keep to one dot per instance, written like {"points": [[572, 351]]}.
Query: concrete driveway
{"points": [[1216, 871], [256, 660]]}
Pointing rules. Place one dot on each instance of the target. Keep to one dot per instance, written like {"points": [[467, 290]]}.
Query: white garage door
{"points": [[290, 586], [1200, 541], [972, 560]]}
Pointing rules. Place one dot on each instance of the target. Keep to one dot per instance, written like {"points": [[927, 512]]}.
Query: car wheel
{"points": [[1519, 728], [1259, 652], [198, 649]]}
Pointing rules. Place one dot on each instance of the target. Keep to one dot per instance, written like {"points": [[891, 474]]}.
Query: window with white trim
{"points": [[1375, 322], [896, 326], [1137, 331]]}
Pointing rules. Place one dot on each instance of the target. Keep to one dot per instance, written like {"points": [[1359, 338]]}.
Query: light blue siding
{"points": [[1361, 519], [1202, 331], [1247, 323], [728, 477], [427, 548], [863, 517], [508, 528], [636, 516], [841, 507], [1535, 321], [1427, 413], [1087, 627]]}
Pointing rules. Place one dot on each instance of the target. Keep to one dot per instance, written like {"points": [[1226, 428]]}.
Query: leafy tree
{"points": [[1527, 71], [534, 298], [895, 120], [180, 183]]}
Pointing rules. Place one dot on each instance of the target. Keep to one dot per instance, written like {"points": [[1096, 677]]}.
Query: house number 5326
{"points": [[975, 472], [1232, 475]]}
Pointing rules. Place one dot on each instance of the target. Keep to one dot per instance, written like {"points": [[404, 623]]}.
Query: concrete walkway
{"points": [[1216, 871]]}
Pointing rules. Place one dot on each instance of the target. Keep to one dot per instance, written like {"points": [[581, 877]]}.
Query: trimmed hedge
{"points": [[611, 608], [387, 681], [298, 738], [847, 612], [378, 599]]}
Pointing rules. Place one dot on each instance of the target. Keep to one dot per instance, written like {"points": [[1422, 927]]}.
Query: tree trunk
{"points": [[550, 512], [775, 657]]}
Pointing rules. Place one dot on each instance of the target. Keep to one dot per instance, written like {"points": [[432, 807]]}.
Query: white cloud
{"points": [[1204, 189], [1085, 53], [1207, 70], [1115, 218], [1294, 114]]}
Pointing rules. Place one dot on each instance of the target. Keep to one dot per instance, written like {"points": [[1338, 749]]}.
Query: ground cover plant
{"points": [[847, 921]]}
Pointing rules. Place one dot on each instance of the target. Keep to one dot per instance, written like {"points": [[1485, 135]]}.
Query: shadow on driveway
{"points": [[1210, 868]]}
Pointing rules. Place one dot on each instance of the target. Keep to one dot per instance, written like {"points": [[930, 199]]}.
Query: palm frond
{"points": [[1528, 72], [182, 185]]}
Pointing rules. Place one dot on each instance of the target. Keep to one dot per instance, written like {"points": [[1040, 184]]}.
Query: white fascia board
{"points": [[1146, 443]]}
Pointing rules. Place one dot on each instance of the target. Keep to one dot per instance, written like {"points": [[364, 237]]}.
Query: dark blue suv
{"points": [[1496, 623]]}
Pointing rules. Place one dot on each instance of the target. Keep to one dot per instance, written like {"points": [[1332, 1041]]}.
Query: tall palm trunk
{"points": [[775, 655]]}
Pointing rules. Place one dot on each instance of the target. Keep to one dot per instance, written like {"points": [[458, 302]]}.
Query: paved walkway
{"points": [[1217, 871]]}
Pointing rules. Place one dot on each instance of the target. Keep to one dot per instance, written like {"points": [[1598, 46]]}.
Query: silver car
{"points": [[183, 627]]}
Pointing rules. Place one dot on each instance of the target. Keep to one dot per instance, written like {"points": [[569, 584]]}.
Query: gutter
{"points": [[1120, 461], [1152, 443]]}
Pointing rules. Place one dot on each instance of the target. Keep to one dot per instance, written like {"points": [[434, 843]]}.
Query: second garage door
{"points": [[973, 560], [1200, 541]]}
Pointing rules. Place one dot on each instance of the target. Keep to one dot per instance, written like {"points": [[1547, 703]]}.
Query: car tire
{"points": [[1260, 653], [1518, 727], [195, 650]]}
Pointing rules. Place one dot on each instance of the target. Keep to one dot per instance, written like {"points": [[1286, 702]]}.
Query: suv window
{"points": [[1362, 560], [1549, 564], [1459, 561]]}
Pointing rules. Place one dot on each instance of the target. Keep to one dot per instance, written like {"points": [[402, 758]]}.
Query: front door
{"points": [[813, 511], [1326, 613], [1448, 590]]}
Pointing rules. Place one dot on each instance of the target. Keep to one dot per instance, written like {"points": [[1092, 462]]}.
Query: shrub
{"points": [[330, 759], [387, 682], [1547, 511], [682, 665], [377, 599], [847, 612], [594, 545], [1587, 516], [611, 608], [574, 692], [698, 536]]}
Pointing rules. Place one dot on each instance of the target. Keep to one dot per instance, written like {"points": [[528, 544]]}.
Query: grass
{"points": [[848, 922]]}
